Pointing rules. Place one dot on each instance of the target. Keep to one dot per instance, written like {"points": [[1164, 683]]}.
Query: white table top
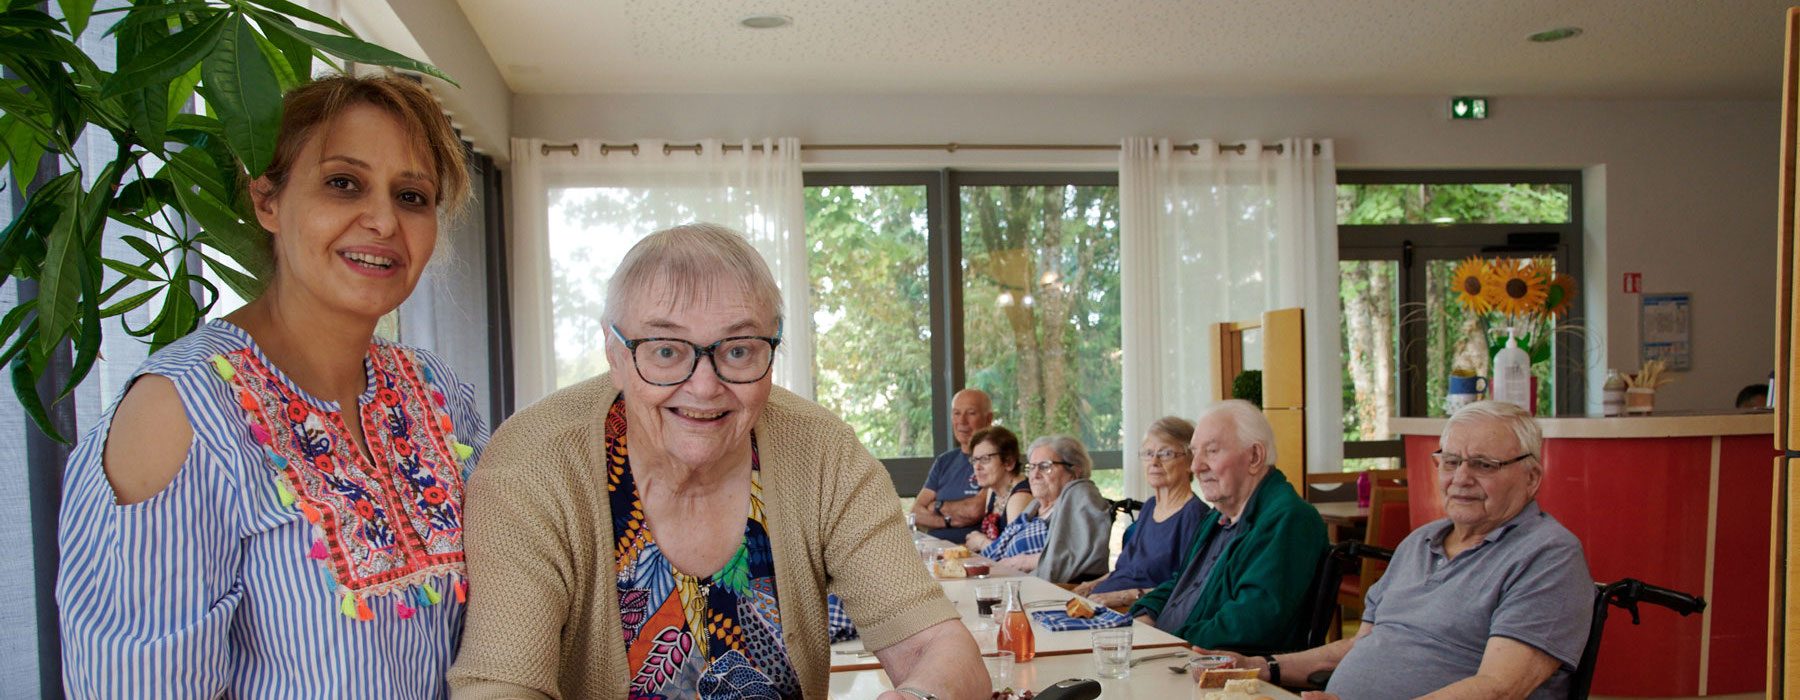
{"points": [[961, 592], [1150, 681]]}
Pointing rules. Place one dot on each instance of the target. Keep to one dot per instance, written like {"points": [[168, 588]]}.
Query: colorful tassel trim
{"points": [[223, 367], [462, 591]]}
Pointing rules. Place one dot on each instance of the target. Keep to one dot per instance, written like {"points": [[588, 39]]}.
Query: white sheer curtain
{"points": [[577, 213], [1224, 236]]}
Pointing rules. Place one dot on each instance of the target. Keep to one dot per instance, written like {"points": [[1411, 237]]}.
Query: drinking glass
{"points": [[1112, 652], [987, 597], [999, 668], [985, 633]]}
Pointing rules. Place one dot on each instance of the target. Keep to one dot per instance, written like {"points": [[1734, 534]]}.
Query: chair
{"points": [[1624, 593], [1390, 522], [1129, 507], [1325, 610]]}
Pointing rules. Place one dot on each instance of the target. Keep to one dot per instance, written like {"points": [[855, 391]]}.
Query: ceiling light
{"points": [[766, 21], [1557, 34]]}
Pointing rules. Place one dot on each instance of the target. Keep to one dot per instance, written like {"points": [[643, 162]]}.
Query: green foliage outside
{"points": [[1041, 308], [867, 258], [1040, 305], [1372, 311]]}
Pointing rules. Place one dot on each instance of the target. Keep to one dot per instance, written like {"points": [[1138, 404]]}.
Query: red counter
{"points": [[1679, 501]]}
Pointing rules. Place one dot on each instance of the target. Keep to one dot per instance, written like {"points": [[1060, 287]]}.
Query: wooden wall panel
{"points": [[1284, 359]]}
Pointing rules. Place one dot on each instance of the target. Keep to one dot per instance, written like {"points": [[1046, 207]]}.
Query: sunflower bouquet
{"points": [[1523, 296]]}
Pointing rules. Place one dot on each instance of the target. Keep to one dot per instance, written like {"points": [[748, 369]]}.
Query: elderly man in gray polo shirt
{"points": [[1493, 601]]}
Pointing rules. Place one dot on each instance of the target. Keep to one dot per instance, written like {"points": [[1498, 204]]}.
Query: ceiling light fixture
{"points": [[1557, 34], [766, 21]]}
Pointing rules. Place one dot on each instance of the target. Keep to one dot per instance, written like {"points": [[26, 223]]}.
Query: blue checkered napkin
{"points": [[1059, 621], [842, 629]]}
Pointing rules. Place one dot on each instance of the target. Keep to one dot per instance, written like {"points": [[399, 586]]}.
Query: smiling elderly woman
{"points": [[669, 529]]}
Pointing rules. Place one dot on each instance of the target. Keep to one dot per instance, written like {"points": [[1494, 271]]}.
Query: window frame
{"points": [[944, 259], [1413, 246]]}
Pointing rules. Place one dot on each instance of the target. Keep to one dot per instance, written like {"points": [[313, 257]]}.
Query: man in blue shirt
{"points": [[949, 505]]}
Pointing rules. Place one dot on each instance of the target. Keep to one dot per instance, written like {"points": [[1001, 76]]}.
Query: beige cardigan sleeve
{"points": [[873, 565], [519, 570]]}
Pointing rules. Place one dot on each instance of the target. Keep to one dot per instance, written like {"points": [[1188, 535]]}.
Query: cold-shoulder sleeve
{"points": [[147, 591]]}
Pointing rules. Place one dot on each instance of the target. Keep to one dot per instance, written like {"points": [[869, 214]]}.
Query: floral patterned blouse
{"points": [[712, 637]]}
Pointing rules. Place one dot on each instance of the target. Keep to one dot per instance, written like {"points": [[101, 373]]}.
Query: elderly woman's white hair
{"points": [[1252, 426], [689, 262], [1067, 449], [1516, 420]]}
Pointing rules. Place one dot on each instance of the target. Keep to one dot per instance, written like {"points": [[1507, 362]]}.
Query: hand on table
{"points": [[1085, 590], [976, 542], [1021, 562], [1239, 660]]}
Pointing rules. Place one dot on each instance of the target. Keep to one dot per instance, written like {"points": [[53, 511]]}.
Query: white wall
{"points": [[437, 32], [1689, 198]]}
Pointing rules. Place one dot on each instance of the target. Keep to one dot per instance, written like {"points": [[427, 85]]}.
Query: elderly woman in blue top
{"points": [[1493, 601], [1246, 575], [274, 507], [1062, 537], [1168, 523]]}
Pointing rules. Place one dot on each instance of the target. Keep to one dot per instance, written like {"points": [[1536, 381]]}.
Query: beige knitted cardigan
{"points": [[543, 616]]}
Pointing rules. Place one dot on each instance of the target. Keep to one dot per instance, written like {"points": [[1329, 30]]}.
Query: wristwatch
{"points": [[1274, 669], [938, 507], [915, 692]]}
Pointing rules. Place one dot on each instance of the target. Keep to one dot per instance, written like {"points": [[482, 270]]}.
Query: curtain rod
{"points": [[952, 147]]}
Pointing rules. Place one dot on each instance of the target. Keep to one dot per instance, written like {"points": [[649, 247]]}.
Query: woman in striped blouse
{"points": [[227, 529]]}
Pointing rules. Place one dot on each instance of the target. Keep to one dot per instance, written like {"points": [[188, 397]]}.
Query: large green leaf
{"points": [[246, 94], [285, 79], [60, 284], [168, 57], [192, 167], [76, 12], [132, 302], [179, 312], [181, 92], [159, 14], [298, 54], [243, 285], [222, 229], [24, 383], [88, 334], [137, 272], [27, 230], [145, 107], [301, 13], [24, 148], [10, 323], [353, 49]]}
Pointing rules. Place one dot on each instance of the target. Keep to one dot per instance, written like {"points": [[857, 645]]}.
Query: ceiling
{"points": [[1678, 49]]}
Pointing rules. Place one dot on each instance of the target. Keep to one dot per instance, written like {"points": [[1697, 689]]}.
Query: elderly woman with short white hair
{"points": [[670, 528], [1064, 534]]}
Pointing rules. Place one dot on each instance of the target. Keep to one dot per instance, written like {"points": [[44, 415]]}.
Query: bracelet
{"points": [[1274, 669], [915, 692]]}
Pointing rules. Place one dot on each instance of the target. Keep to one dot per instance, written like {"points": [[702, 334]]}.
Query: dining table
{"points": [[856, 673]]}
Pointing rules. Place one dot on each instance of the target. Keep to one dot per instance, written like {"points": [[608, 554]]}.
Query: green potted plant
{"points": [[1248, 386], [170, 165]]}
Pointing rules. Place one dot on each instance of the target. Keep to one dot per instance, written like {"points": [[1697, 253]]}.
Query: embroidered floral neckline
{"points": [[387, 526]]}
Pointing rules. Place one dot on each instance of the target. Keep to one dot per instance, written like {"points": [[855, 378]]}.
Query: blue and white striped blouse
{"points": [[207, 588]]}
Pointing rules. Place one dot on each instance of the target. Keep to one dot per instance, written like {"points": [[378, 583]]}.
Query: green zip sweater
{"points": [[1254, 596]]}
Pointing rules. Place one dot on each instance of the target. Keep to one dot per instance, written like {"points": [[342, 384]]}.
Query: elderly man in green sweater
{"points": [[1244, 581]]}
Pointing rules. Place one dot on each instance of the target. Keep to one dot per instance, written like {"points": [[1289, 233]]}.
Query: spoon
{"points": [[1153, 657]]}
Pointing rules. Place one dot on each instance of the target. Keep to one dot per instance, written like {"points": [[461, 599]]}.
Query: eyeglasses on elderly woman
{"points": [[1480, 465], [1046, 464], [1163, 455], [740, 359]]}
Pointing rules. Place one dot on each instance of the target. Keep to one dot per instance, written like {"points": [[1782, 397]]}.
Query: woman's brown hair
{"points": [[307, 107], [1006, 444]]}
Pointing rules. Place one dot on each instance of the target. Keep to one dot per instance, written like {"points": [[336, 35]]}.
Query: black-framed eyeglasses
{"points": [[1480, 465], [1046, 464], [1163, 455], [983, 459], [739, 359]]}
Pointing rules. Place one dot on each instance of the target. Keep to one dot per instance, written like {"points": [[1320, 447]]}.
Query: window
{"points": [[1401, 235], [1029, 312]]}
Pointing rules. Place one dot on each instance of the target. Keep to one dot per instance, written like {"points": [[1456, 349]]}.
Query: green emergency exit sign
{"points": [[1468, 108]]}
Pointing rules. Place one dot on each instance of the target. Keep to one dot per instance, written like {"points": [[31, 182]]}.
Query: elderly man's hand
{"points": [[1238, 660]]}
